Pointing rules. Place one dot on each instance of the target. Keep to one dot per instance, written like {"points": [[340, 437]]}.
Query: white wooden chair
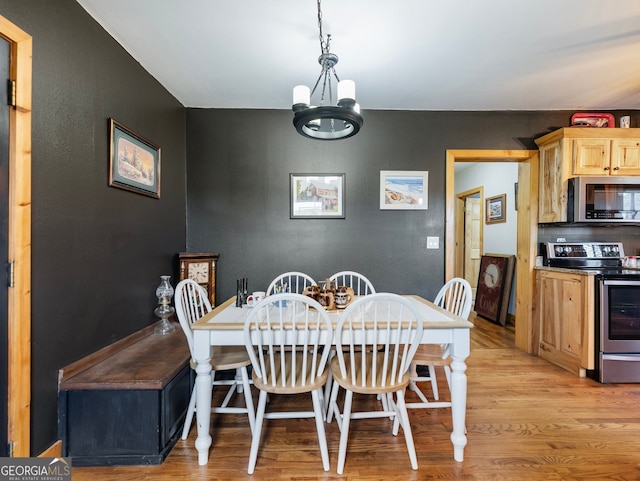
{"points": [[455, 297], [376, 338], [191, 304], [294, 282], [361, 287], [288, 337], [360, 284]]}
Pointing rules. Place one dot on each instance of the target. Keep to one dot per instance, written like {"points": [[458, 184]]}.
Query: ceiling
{"points": [[403, 55]]}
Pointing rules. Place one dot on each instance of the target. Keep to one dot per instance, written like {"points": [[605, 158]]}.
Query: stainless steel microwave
{"points": [[604, 199]]}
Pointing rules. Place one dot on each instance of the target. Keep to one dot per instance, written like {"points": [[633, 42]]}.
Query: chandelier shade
{"points": [[326, 120]]}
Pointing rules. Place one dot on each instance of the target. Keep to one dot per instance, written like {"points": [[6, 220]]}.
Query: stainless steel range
{"points": [[617, 300]]}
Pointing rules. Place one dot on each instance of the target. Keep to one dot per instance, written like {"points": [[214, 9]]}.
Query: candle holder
{"points": [[164, 293]]}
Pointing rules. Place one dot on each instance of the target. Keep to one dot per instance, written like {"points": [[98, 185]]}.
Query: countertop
{"points": [[567, 270]]}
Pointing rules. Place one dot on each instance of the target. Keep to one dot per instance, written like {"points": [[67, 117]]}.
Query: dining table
{"points": [[224, 325]]}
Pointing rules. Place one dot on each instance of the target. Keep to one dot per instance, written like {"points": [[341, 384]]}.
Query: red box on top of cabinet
{"points": [[589, 119]]}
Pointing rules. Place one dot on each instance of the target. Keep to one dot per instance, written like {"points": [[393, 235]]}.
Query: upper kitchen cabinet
{"points": [[582, 151], [606, 156], [554, 174], [555, 170]]}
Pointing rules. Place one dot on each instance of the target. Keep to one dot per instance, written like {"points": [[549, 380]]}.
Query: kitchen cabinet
{"points": [[577, 151], [553, 187], [591, 157], [565, 317], [605, 156]]}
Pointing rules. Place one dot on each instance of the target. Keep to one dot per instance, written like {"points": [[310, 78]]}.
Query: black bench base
{"points": [[106, 419]]}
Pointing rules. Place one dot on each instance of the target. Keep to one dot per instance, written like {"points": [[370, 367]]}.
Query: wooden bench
{"points": [[125, 404]]}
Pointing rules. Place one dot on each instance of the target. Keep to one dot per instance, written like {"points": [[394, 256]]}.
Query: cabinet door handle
{"points": [[616, 168], [606, 168]]}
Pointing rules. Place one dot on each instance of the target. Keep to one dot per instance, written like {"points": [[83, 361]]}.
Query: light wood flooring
{"points": [[526, 420]]}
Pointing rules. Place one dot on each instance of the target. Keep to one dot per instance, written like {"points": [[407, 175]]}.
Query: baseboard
{"points": [[53, 451], [511, 319]]}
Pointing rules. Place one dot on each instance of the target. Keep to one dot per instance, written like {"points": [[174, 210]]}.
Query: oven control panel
{"points": [[585, 250]]}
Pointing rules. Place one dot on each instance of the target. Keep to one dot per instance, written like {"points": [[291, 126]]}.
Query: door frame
{"points": [[19, 294], [527, 229]]}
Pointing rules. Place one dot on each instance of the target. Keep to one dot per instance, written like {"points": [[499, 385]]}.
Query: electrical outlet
{"points": [[433, 242]]}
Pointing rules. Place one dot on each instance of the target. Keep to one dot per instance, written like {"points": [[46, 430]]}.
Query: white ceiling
{"points": [[403, 55]]}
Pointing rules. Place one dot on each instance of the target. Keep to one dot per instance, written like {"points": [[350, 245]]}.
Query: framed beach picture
{"points": [[403, 189], [317, 196], [496, 209], [134, 162]]}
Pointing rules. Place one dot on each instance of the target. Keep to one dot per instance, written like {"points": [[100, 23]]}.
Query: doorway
{"points": [[18, 424], [468, 238], [527, 229]]}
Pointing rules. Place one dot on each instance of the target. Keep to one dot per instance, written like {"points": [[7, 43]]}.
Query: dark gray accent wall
{"points": [[97, 251], [238, 192]]}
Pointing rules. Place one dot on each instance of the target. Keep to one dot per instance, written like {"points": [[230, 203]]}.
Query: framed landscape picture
{"points": [[404, 189], [134, 162], [317, 196]]}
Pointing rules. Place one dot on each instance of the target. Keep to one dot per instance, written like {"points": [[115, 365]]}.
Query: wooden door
{"points": [[472, 245], [468, 235], [19, 242]]}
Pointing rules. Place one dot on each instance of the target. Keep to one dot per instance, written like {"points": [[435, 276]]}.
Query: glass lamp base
{"points": [[164, 312], [164, 327]]}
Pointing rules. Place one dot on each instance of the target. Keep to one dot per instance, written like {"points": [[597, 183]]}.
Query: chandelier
{"points": [[326, 121]]}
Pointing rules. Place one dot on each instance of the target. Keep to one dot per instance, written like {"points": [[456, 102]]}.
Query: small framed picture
{"points": [[134, 162], [317, 196], [404, 189], [495, 210]]}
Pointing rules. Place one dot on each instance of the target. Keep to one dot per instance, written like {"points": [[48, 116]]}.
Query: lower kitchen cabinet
{"points": [[565, 315]]}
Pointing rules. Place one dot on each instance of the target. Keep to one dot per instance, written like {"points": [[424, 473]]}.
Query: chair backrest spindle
{"points": [[288, 338], [455, 297], [294, 282], [191, 304], [380, 333], [360, 284]]}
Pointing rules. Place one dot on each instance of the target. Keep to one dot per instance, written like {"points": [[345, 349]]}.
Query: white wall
{"points": [[497, 178]]}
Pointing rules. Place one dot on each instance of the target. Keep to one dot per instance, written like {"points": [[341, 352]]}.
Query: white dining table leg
{"points": [[202, 353], [459, 353]]}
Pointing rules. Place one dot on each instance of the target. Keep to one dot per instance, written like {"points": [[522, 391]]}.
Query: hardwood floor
{"points": [[526, 420]]}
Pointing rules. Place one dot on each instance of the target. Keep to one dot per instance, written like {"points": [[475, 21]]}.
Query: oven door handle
{"points": [[621, 357]]}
